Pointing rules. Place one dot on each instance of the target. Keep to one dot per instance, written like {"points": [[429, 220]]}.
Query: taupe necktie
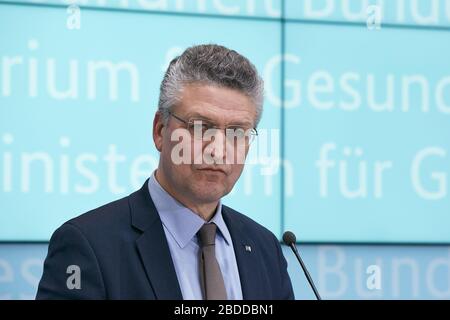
{"points": [[211, 279]]}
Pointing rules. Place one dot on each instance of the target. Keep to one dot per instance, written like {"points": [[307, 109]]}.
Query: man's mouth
{"points": [[213, 170]]}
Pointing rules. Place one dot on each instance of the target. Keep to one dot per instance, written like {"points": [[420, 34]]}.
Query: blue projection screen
{"points": [[358, 149], [369, 135]]}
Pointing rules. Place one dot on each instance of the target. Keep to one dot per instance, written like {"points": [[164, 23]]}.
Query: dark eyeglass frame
{"points": [[190, 123]]}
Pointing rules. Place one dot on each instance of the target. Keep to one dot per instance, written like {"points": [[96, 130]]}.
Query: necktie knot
{"points": [[207, 234]]}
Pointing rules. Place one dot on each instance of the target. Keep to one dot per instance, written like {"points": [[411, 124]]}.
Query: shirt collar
{"points": [[181, 222]]}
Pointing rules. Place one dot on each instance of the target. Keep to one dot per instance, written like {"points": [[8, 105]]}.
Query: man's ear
{"points": [[158, 126]]}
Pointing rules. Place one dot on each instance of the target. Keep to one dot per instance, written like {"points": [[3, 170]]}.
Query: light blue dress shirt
{"points": [[180, 226]]}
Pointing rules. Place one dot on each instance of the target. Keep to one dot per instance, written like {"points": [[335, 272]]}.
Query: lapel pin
{"points": [[248, 248]]}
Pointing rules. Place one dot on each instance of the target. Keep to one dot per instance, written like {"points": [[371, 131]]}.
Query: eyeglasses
{"points": [[233, 133]]}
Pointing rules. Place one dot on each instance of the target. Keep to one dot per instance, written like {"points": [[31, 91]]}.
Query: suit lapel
{"points": [[155, 253], [248, 257], [152, 246]]}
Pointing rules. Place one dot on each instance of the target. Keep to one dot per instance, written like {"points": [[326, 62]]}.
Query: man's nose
{"points": [[220, 145]]}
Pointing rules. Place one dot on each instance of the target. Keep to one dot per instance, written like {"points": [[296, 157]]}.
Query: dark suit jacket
{"points": [[122, 253]]}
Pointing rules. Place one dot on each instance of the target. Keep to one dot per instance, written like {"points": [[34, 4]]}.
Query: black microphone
{"points": [[290, 240]]}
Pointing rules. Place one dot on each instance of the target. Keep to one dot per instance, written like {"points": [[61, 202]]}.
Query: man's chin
{"points": [[209, 194]]}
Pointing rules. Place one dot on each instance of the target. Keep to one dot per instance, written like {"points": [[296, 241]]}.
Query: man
{"points": [[173, 238]]}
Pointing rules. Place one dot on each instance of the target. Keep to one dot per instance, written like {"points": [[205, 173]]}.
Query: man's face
{"points": [[199, 180]]}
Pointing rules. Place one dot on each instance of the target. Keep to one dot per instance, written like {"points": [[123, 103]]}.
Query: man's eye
{"points": [[203, 127], [238, 132]]}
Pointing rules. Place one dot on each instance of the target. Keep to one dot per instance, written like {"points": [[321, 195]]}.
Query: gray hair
{"points": [[212, 65]]}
